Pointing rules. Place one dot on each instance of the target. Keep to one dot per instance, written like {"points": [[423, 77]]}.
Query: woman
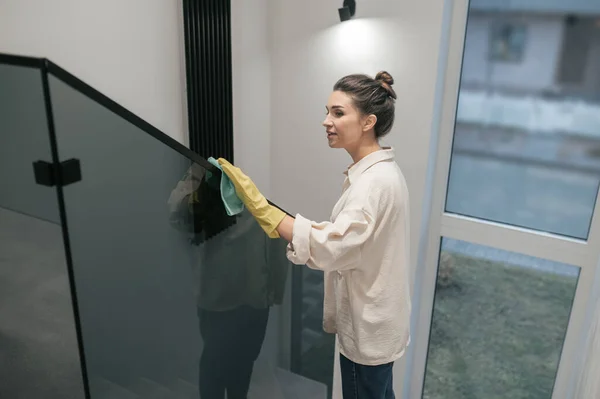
{"points": [[364, 249]]}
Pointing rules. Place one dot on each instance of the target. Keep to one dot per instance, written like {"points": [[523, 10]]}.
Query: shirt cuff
{"points": [[299, 250]]}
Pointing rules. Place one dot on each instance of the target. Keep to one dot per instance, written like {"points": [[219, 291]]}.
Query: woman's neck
{"points": [[364, 150]]}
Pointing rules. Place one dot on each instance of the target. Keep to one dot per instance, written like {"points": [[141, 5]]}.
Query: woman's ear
{"points": [[369, 122]]}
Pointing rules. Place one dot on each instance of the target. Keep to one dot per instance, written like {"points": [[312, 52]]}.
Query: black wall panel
{"points": [[209, 82]]}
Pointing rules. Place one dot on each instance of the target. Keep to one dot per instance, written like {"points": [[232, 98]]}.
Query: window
{"points": [[518, 157], [502, 305], [507, 42]]}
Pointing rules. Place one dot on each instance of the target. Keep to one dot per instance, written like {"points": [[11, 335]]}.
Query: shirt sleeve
{"points": [[337, 245], [330, 246]]}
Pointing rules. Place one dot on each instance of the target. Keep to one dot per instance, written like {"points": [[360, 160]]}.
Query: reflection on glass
{"points": [[237, 283], [499, 321], [176, 297], [526, 146]]}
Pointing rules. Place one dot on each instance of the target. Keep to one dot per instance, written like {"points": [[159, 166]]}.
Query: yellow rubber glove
{"points": [[267, 215]]}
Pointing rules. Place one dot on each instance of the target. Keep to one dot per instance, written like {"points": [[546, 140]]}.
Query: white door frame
{"points": [[584, 254]]}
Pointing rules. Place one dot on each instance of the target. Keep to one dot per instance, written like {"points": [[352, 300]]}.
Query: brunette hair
{"points": [[372, 96]]}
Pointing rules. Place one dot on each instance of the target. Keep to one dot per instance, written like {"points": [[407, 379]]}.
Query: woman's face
{"points": [[343, 123]]}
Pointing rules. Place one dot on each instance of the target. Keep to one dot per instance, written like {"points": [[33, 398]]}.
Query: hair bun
{"points": [[386, 81], [385, 77]]}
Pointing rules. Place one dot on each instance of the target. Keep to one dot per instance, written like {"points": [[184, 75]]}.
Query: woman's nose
{"points": [[327, 122]]}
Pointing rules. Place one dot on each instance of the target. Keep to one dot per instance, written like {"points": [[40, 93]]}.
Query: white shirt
{"points": [[364, 251]]}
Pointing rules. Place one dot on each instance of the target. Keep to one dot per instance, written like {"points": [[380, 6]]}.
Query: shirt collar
{"points": [[357, 169]]}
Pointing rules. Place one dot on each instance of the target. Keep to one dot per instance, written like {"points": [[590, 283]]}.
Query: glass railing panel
{"points": [[25, 139], [39, 357], [175, 296]]}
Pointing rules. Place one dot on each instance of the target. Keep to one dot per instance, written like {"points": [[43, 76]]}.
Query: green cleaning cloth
{"points": [[233, 205]]}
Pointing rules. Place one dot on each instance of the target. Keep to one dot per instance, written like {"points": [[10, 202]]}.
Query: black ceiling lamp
{"points": [[348, 10]]}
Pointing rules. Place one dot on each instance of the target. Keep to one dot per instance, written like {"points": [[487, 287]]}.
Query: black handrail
{"points": [[20, 60]]}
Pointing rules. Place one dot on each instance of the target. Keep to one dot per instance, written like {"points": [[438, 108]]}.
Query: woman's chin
{"points": [[333, 143]]}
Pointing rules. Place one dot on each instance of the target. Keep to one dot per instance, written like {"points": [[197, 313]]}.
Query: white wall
{"points": [[542, 51], [251, 90], [311, 50], [129, 50]]}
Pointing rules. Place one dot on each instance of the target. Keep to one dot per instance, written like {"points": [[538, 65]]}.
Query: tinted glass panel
{"points": [[24, 135], [176, 297], [38, 345]]}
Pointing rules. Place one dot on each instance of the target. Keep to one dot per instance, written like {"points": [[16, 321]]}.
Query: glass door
{"points": [[514, 233]]}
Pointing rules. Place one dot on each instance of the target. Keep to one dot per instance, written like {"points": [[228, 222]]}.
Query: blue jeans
{"points": [[366, 382]]}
